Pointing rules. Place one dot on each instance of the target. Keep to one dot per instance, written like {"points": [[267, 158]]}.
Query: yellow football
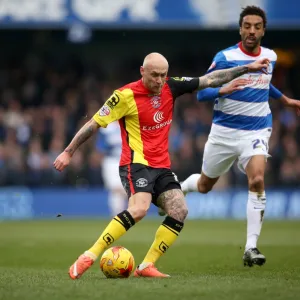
{"points": [[117, 262]]}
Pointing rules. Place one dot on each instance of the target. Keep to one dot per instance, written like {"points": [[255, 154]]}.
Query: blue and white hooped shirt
{"points": [[246, 112]]}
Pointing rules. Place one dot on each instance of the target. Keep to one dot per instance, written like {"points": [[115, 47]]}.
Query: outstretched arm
{"points": [[85, 132], [220, 77], [210, 94], [286, 101], [274, 92], [115, 108], [294, 103]]}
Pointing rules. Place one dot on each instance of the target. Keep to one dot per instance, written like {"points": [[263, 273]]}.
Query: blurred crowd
{"points": [[44, 103]]}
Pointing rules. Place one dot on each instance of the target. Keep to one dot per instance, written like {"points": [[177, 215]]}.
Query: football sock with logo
{"points": [[255, 212], [115, 229], [165, 236], [190, 184]]}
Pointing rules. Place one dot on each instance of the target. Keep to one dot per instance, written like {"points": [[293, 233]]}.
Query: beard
{"points": [[251, 43]]}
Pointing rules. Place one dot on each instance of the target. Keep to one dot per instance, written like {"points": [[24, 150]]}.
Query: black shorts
{"points": [[140, 178]]}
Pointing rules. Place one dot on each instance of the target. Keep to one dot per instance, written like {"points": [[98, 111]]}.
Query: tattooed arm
{"points": [[173, 203], [218, 78], [82, 135], [86, 131]]}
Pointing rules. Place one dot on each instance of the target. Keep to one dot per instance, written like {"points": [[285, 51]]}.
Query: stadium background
{"points": [[61, 59]]}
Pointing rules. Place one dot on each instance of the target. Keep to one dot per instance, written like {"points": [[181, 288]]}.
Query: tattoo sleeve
{"points": [[85, 132], [173, 203], [218, 78]]}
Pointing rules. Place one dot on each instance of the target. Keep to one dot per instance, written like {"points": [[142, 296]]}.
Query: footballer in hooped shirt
{"points": [[242, 125]]}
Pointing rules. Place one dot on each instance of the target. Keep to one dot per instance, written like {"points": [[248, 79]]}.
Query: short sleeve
{"points": [[219, 63], [182, 85], [115, 108], [274, 92]]}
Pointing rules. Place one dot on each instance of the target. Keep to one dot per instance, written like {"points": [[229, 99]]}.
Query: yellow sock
{"points": [[165, 236], [114, 230]]}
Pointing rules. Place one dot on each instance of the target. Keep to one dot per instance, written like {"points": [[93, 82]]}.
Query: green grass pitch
{"points": [[205, 262]]}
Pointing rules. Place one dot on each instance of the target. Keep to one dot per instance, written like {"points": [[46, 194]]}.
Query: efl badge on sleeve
{"points": [[104, 111]]}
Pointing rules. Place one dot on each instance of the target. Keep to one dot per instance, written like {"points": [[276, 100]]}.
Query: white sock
{"points": [[255, 212], [144, 265], [116, 203], [90, 255], [190, 184]]}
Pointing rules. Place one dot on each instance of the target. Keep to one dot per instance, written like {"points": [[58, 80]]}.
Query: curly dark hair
{"points": [[253, 10]]}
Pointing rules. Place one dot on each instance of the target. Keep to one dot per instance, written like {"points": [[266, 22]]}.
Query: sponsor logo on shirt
{"points": [[158, 117], [183, 78], [157, 126], [113, 101], [187, 78], [254, 80]]}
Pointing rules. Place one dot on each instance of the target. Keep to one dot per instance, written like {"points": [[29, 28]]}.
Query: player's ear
{"points": [[142, 70], [240, 30]]}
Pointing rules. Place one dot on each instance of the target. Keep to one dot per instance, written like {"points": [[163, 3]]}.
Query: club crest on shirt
{"points": [[155, 101]]}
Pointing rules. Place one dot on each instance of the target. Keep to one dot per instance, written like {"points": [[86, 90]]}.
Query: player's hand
{"points": [[235, 85], [296, 104], [62, 161], [259, 65]]}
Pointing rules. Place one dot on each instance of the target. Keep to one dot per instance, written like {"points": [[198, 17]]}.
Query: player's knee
{"points": [[184, 212], [204, 188], [138, 212], [256, 182], [178, 212]]}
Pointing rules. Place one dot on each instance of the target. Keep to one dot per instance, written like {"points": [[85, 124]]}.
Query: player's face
{"points": [[154, 78], [252, 31]]}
